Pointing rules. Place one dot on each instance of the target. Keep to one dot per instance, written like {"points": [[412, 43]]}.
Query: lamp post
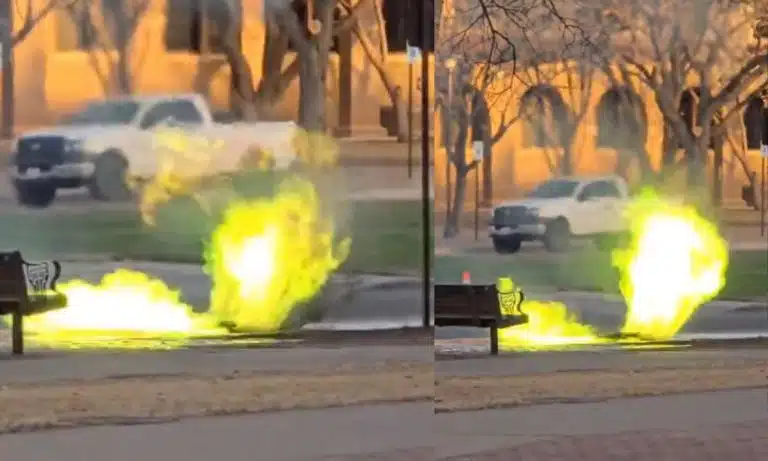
{"points": [[450, 66]]}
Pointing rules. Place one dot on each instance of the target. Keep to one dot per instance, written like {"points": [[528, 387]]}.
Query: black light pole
{"points": [[426, 20]]}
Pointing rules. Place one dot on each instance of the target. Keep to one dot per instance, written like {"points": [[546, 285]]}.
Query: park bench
{"points": [[27, 288], [479, 306]]}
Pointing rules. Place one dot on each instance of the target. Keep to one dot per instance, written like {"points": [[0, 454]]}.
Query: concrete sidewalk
{"points": [[343, 433], [682, 428], [626, 429]]}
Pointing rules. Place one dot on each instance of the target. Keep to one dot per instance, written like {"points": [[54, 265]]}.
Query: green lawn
{"points": [[589, 270], [385, 235]]}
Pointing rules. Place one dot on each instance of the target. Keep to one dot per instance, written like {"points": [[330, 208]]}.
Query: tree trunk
{"points": [[717, 171], [311, 91], [565, 166], [453, 217], [241, 96], [122, 69], [273, 83], [695, 162], [459, 162], [669, 148]]}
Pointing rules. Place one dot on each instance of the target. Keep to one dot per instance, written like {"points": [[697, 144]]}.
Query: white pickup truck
{"points": [[112, 140], [562, 208]]}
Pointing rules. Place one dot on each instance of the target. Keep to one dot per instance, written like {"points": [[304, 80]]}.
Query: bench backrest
{"points": [[13, 285], [461, 304], [19, 279]]}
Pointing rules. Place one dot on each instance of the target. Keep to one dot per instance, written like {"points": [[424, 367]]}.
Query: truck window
{"points": [[180, 111], [556, 188], [600, 189], [104, 113]]}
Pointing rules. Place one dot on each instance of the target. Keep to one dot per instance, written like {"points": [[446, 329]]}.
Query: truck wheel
{"points": [[507, 246], [35, 195], [109, 182], [557, 237]]}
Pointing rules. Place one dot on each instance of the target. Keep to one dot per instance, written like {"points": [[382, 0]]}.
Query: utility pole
{"points": [[426, 196]]}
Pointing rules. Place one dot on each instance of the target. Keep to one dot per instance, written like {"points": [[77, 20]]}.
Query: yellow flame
{"points": [[125, 304], [550, 324], [676, 262], [268, 256], [316, 149], [184, 160]]}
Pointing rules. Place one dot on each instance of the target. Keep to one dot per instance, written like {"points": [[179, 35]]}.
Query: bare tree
{"points": [[373, 40], [557, 97], [310, 35], [29, 17], [704, 52], [305, 26], [486, 38], [108, 28]]}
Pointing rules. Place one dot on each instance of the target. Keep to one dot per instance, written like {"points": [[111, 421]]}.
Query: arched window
{"points": [[622, 121], [753, 122], [545, 116]]}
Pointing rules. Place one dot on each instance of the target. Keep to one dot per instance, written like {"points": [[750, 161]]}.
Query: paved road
{"points": [[347, 433], [636, 429], [708, 427], [266, 437]]}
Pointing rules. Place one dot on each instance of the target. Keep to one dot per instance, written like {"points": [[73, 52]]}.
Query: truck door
{"points": [[588, 214], [602, 203]]}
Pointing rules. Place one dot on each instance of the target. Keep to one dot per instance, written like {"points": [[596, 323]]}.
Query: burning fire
{"points": [[675, 262], [266, 257], [550, 324], [269, 256], [124, 305]]}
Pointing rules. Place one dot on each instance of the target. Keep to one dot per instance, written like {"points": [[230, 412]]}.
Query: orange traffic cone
{"points": [[466, 279]]}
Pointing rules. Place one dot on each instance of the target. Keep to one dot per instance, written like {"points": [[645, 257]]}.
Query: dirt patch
{"points": [[162, 398], [473, 393]]}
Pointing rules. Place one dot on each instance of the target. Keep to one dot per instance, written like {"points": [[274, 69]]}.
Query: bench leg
{"points": [[494, 340], [17, 331]]}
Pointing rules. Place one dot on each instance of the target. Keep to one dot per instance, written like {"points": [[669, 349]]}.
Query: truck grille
{"points": [[512, 216], [40, 152]]}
